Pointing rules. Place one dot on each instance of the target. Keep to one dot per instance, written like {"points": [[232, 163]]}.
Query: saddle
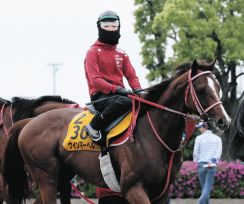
{"points": [[77, 138]]}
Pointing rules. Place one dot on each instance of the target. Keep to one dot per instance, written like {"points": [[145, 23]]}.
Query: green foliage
{"points": [[199, 29], [88, 189], [153, 50], [188, 150]]}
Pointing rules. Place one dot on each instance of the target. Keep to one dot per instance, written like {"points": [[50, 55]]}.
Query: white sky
{"points": [[34, 33]]}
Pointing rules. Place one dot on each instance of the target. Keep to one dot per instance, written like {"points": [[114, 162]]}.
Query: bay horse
{"points": [[235, 148], [144, 164], [20, 108]]}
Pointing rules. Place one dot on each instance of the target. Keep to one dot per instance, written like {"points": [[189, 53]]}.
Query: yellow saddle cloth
{"points": [[78, 139]]}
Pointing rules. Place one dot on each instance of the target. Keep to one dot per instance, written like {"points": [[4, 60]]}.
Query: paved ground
{"points": [[213, 201], [180, 201], [174, 201]]}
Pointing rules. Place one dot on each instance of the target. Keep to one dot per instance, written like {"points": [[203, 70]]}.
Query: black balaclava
{"points": [[108, 37]]}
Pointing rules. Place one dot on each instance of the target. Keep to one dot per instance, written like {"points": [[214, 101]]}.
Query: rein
{"points": [[190, 89], [5, 129]]}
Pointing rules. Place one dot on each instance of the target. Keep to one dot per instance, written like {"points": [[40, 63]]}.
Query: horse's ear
{"points": [[211, 64], [194, 67]]}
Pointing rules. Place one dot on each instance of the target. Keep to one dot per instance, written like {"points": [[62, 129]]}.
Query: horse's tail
{"points": [[14, 174]]}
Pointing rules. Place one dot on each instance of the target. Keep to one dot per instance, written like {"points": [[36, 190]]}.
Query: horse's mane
{"points": [[24, 107], [153, 93], [4, 101], [39, 101]]}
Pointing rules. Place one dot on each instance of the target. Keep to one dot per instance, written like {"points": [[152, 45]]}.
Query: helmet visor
{"points": [[110, 26], [109, 23]]}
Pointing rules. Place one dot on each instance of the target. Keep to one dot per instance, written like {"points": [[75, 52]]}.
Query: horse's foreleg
{"points": [[137, 195]]}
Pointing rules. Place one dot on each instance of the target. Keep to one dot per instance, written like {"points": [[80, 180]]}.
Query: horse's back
{"points": [[45, 131]]}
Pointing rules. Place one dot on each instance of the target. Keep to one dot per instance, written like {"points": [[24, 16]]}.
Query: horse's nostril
{"points": [[222, 123]]}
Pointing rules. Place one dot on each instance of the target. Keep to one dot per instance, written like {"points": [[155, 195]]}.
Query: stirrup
{"points": [[94, 134]]}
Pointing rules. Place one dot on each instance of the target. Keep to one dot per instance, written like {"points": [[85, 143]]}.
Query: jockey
{"points": [[105, 66]]}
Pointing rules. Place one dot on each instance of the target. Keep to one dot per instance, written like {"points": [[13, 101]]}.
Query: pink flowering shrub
{"points": [[229, 181]]}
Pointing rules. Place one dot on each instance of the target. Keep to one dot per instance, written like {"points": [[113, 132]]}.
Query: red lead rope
{"points": [[81, 195], [182, 144]]}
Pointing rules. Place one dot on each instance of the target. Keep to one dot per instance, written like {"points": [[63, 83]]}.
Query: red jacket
{"points": [[105, 66]]}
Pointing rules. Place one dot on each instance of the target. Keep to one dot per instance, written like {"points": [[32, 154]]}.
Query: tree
{"points": [[200, 29]]}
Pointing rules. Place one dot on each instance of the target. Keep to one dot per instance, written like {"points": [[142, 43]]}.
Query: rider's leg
{"points": [[110, 109]]}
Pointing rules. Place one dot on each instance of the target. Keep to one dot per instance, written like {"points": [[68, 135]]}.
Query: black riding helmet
{"points": [[108, 16]]}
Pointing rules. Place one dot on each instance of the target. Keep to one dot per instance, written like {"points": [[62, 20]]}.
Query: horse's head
{"points": [[203, 96]]}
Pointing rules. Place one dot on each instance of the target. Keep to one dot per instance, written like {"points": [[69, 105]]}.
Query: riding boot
{"points": [[94, 134], [94, 128]]}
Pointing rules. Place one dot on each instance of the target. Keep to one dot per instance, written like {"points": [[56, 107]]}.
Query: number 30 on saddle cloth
{"points": [[78, 139]]}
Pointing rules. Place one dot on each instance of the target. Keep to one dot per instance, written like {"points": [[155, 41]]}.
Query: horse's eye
{"points": [[201, 90]]}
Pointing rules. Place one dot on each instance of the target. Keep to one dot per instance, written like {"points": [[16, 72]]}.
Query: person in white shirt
{"points": [[207, 152]]}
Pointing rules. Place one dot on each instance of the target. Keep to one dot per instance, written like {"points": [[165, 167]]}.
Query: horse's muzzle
{"points": [[219, 125], [223, 123]]}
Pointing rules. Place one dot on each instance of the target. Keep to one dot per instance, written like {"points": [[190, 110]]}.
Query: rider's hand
{"points": [[123, 91], [137, 92]]}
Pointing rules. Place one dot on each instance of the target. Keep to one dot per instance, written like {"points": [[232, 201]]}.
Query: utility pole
{"points": [[55, 67]]}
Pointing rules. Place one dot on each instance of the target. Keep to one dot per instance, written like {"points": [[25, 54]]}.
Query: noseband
{"points": [[5, 129]]}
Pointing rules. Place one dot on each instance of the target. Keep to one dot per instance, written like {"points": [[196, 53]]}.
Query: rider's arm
{"points": [[92, 66], [130, 74]]}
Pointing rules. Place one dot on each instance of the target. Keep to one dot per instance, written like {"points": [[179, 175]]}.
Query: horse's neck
{"points": [[151, 150], [170, 125]]}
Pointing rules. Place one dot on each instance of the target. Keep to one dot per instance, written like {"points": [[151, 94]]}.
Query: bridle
{"points": [[190, 90], [5, 129]]}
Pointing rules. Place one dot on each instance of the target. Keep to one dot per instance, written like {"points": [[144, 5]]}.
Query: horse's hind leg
{"points": [[48, 191], [137, 195], [1, 189], [64, 186], [47, 185], [38, 200]]}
